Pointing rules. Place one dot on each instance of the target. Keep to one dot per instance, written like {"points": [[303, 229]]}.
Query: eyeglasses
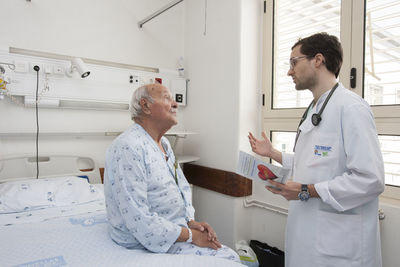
{"points": [[293, 60]]}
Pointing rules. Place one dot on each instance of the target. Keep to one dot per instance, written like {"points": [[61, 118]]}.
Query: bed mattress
{"points": [[77, 236]]}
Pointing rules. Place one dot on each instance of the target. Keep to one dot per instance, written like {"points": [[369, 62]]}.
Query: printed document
{"points": [[259, 171]]}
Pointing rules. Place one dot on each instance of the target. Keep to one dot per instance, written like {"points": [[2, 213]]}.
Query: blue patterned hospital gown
{"points": [[146, 208]]}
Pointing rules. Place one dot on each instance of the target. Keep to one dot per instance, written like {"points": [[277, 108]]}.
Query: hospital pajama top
{"points": [[145, 206]]}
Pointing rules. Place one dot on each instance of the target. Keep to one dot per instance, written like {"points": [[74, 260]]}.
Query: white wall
{"points": [[96, 29], [390, 232], [214, 71], [213, 66], [223, 99]]}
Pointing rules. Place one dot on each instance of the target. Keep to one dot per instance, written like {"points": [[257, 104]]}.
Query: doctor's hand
{"points": [[290, 190], [203, 226], [201, 239], [262, 147]]}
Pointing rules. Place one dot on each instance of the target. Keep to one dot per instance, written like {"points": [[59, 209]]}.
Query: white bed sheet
{"points": [[78, 237], [41, 215]]}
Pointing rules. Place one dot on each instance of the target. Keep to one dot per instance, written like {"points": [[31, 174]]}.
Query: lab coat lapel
{"points": [[307, 125]]}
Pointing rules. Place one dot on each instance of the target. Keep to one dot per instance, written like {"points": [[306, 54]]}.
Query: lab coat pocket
{"points": [[338, 238], [323, 151]]}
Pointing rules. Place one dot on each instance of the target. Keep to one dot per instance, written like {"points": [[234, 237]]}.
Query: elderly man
{"points": [[148, 198]]}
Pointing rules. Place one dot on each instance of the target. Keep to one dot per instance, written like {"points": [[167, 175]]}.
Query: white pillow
{"points": [[34, 194]]}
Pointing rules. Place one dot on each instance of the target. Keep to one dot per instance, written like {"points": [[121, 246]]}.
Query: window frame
{"points": [[387, 118]]}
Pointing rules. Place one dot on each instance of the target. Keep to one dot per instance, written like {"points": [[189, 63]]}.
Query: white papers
{"points": [[259, 171]]}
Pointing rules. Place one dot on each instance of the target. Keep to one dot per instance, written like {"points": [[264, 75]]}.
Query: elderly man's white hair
{"points": [[135, 108]]}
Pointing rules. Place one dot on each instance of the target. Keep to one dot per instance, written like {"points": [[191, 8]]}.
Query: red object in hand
{"points": [[265, 173]]}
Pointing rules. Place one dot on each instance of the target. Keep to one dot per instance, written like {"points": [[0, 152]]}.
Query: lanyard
{"points": [[175, 164]]}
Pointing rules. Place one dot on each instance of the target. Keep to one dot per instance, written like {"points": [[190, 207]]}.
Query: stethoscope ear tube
{"points": [[316, 117]]}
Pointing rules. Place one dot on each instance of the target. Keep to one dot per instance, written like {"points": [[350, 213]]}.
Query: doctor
{"points": [[337, 167]]}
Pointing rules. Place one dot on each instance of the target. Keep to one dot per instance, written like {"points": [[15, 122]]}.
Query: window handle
{"points": [[353, 73], [381, 214]]}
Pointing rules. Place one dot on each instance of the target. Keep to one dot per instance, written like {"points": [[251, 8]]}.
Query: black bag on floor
{"points": [[268, 256]]}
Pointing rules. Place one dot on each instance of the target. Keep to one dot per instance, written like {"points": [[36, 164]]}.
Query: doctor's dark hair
{"points": [[328, 45], [135, 108]]}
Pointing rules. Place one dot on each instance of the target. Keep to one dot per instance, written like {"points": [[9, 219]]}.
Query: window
{"points": [[310, 16], [390, 146], [371, 45], [284, 141], [382, 52]]}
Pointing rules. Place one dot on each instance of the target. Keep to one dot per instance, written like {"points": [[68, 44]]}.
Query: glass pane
{"points": [[390, 146], [283, 141], [295, 19], [382, 52]]}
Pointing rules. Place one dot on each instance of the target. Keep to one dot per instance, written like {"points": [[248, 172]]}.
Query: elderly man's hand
{"points": [[203, 226], [201, 239]]}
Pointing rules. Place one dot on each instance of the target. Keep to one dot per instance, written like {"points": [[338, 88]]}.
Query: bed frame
{"points": [[24, 167]]}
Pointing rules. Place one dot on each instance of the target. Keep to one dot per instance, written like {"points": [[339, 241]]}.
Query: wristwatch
{"points": [[190, 239], [304, 195]]}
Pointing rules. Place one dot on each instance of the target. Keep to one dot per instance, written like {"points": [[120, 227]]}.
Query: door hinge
{"points": [[263, 99], [265, 7]]}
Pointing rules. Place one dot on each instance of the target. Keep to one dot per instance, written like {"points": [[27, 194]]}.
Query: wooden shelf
{"points": [[224, 182]]}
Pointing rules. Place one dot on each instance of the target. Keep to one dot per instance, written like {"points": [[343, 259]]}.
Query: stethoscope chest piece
{"points": [[316, 119]]}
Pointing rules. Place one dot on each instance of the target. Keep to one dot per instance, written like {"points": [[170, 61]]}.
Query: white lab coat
{"points": [[341, 156]]}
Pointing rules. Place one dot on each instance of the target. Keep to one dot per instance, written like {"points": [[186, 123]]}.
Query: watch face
{"points": [[304, 195]]}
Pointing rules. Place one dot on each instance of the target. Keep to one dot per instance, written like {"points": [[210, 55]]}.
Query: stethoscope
{"points": [[316, 117]]}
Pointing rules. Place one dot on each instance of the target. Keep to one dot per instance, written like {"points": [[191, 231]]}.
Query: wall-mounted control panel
{"points": [[105, 84], [178, 89]]}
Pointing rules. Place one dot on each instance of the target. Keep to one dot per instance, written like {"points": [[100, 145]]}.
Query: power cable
{"points": [[37, 68]]}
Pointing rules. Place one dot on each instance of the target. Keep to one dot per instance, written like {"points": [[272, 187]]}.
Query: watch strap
{"points": [[304, 187]]}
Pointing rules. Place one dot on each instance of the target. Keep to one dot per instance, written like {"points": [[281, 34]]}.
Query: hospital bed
{"points": [[60, 219]]}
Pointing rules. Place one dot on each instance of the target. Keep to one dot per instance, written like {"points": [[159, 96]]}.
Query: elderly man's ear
{"points": [[145, 106]]}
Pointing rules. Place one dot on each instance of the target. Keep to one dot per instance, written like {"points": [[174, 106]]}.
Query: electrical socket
{"points": [[134, 80], [59, 70]]}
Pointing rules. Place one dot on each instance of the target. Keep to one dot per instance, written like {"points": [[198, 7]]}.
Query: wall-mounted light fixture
{"points": [[78, 65], [26, 52]]}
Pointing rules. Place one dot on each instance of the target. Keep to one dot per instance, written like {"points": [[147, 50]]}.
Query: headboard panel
{"points": [[24, 167]]}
